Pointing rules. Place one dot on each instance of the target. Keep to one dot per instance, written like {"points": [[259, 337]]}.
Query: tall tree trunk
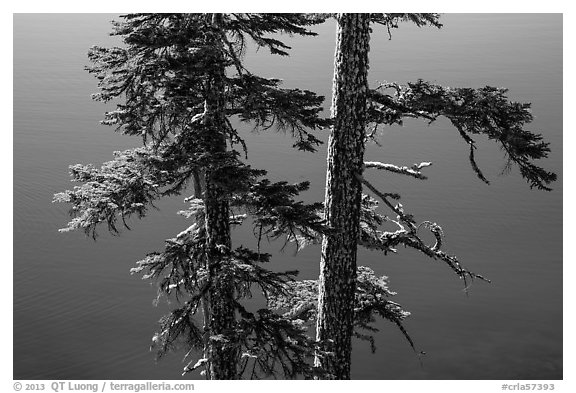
{"points": [[217, 221], [343, 192], [221, 294]]}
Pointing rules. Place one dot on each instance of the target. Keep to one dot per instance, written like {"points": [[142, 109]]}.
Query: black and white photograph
{"points": [[288, 196]]}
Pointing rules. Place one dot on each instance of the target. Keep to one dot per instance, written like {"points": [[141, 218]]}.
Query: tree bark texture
{"points": [[343, 192], [221, 293]]}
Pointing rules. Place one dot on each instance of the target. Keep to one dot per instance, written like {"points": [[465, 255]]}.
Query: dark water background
{"points": [[79, 314]]}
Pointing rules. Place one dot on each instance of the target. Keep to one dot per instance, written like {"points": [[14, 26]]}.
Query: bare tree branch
{"points": [[413, 171]]}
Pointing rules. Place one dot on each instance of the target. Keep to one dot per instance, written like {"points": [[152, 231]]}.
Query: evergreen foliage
{"points": [[300, 303], [180, 84], [485, 111]]}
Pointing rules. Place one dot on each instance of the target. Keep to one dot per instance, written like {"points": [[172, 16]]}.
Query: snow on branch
{"points": [[413, 171]]}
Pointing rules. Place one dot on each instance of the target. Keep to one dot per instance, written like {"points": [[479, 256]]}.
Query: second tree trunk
{"points": [[343, 192]]}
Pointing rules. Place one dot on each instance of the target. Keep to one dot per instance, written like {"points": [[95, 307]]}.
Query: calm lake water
{"points": [[79, 314]]}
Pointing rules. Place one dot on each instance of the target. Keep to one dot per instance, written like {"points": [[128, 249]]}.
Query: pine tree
{"points": [[349, 297], [343, 191], [181, 81]]}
